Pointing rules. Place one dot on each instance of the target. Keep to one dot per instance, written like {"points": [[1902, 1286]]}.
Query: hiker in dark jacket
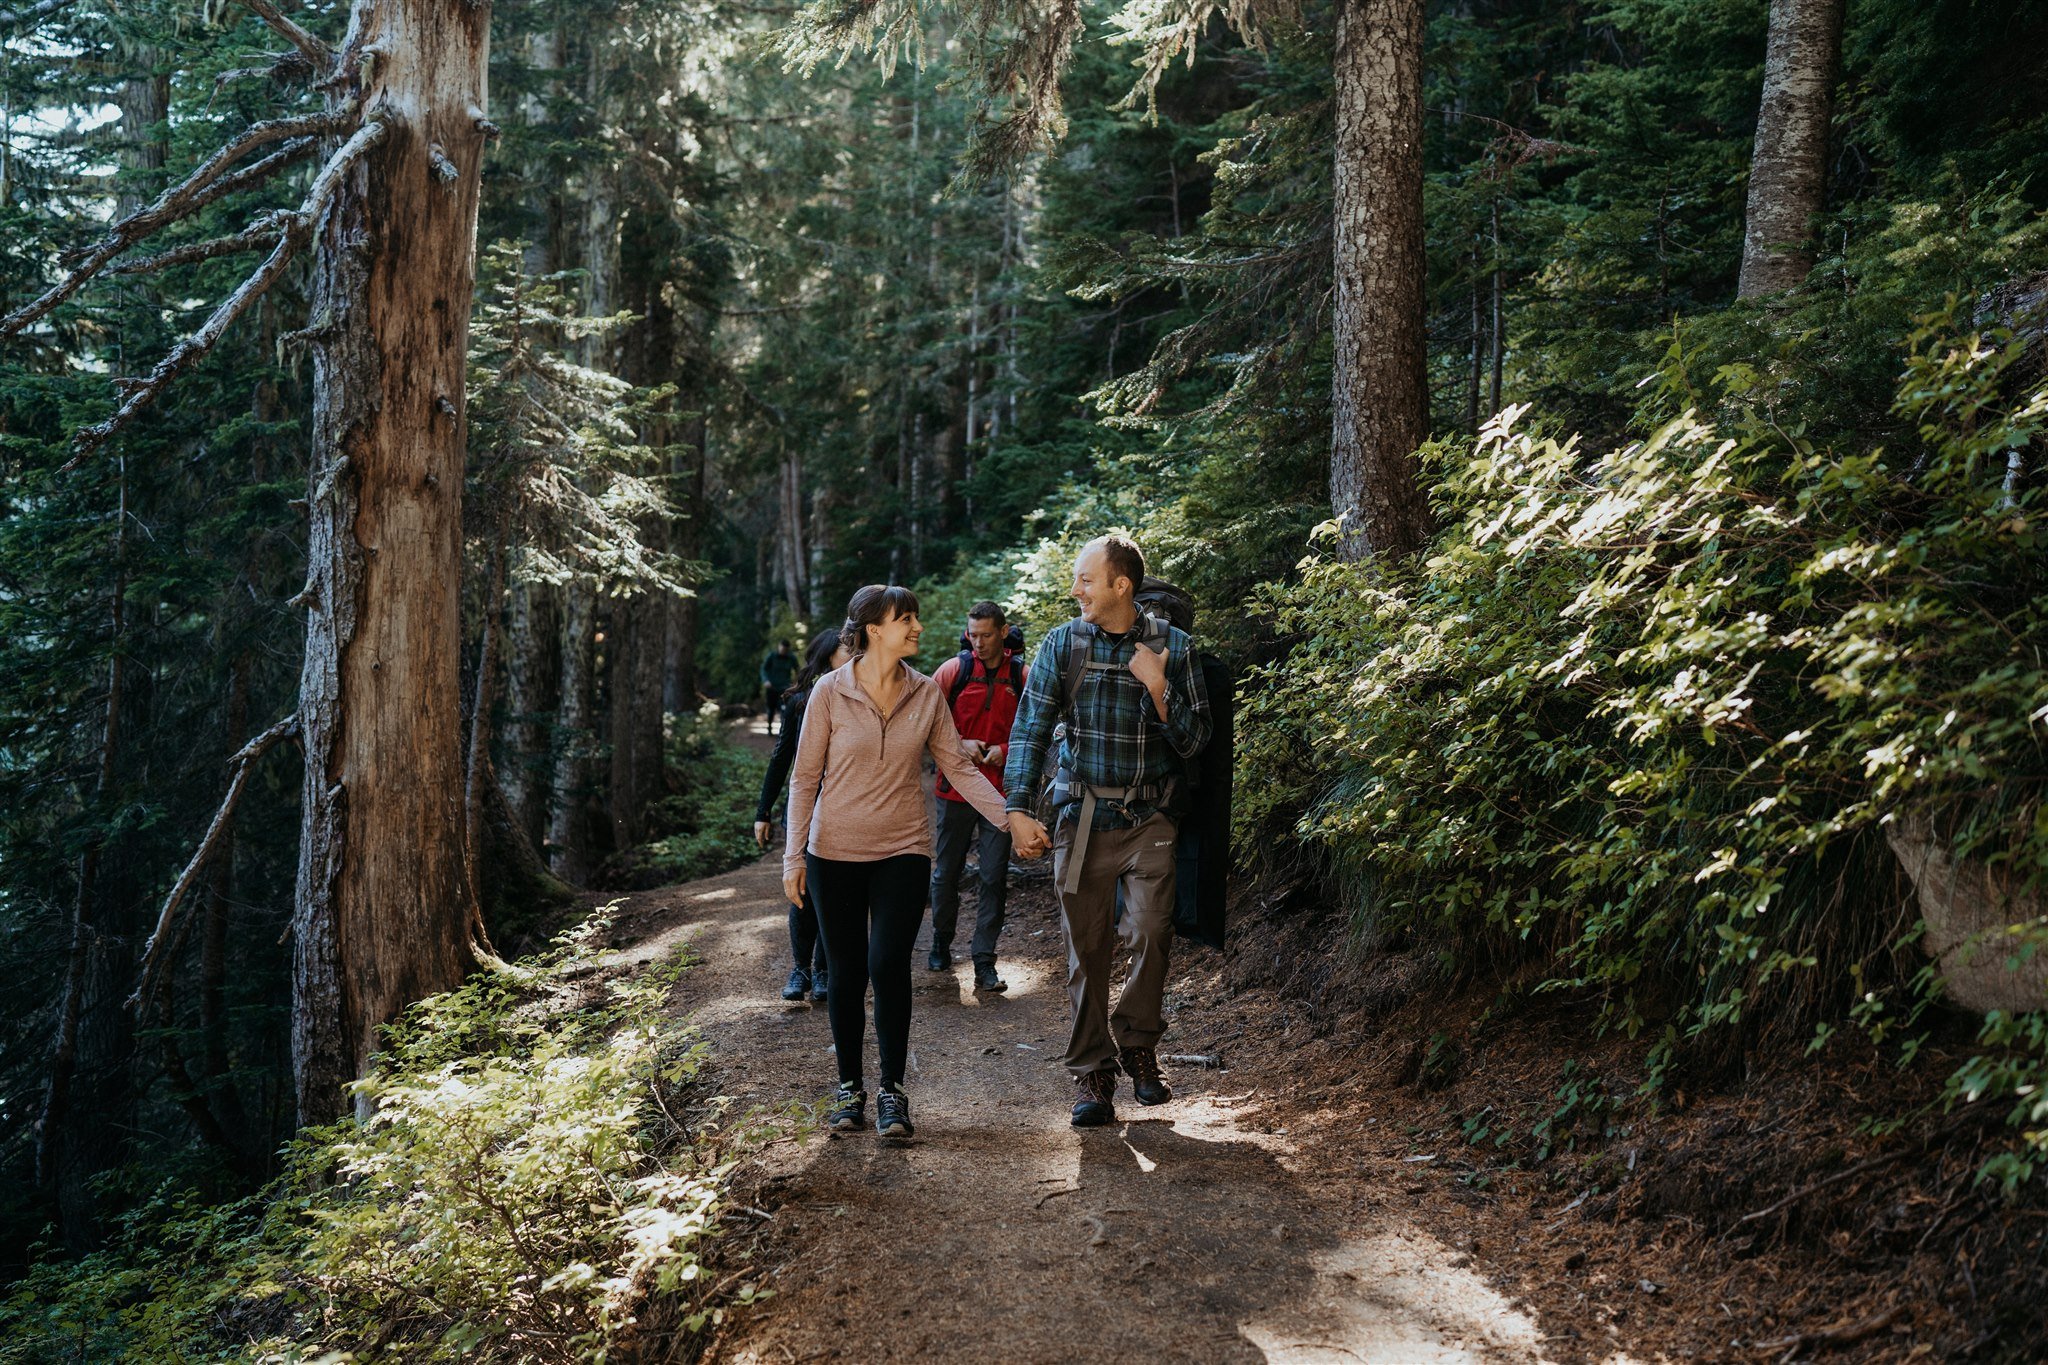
{"points": [[778, 666], [809, 974]]}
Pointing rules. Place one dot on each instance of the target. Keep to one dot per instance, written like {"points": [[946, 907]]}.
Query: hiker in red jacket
{"points": [[982, 683]]}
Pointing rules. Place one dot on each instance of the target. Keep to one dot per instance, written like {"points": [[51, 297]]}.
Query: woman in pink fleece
{"points": [[860, 836]]}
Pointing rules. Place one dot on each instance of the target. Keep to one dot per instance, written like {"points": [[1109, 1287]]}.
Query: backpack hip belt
{"points": [[1078, 855]]}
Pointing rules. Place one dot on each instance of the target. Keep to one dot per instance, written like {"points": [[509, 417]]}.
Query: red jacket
{"points": [[984, 709]]}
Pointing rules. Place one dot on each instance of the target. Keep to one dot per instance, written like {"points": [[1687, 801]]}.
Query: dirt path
{"points": [[1181, 1234]]}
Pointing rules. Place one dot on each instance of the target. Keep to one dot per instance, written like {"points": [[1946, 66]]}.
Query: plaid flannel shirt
{"points": [[1114, 735]]}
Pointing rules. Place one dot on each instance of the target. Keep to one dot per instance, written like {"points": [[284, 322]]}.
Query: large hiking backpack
{"points": [[1203, 803]]}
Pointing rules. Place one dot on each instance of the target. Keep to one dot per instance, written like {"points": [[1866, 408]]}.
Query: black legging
{"points": [[805, 944], [870, 913]]}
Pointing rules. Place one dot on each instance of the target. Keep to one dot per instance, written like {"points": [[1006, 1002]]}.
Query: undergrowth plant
{"points": [[538, 1179], [1643, 715]]}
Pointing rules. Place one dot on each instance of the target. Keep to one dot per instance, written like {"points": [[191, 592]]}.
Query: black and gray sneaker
{"points": [[892, 1113], [818, 987], [849, 1111], [799, 985], [985, 978], [939, 959]]}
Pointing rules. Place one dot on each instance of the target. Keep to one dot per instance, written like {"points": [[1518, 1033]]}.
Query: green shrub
{"points": [[705, 825], [536, 1182], [1642, 714]]}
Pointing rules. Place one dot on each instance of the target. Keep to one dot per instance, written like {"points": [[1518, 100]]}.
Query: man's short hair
{"points": [[988, 611], [782, 644], [1124, 558]]}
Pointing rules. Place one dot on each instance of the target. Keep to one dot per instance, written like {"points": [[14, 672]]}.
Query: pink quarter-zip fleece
{"points": [[854, 791]]}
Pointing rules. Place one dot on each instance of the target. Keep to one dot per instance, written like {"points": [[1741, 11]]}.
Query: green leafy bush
{"points": [[705, 825], [1642, 714], [536, 1181]]}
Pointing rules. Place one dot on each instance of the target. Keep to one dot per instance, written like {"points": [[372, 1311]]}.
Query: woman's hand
{"points": [[761, 833], [793, 886]]}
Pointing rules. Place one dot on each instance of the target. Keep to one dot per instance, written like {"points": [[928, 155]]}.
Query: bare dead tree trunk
{"points": [[1380, 399], [793, 535], [1477, 358], [383, 910], [1788, 170]]}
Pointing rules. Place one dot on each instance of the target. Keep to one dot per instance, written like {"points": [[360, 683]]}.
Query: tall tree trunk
{"points": [[1788, 176], [1380, 398], [568, 843], [383, 909], [687, 462], [532, 673]]}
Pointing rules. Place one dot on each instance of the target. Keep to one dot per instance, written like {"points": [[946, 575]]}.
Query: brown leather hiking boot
{"points": [[1093, 1094], [1141, 1064]]}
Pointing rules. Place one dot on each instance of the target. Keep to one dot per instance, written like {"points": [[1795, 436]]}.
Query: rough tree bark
{"points": [[687, 461], [1380, 398], [1788, 170], [568, 836], [383, 912]]}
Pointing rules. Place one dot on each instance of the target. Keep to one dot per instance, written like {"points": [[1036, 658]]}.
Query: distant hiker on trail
{"points": [[860, 836], [805, 945], [1136, 712], [982, 684], [778, 666]]}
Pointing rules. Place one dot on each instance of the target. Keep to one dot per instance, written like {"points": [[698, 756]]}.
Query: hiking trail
{"points": [[1184, 1232]]}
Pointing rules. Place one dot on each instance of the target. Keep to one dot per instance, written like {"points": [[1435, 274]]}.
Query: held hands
{"points": [[793, 886], [1028, 838]]}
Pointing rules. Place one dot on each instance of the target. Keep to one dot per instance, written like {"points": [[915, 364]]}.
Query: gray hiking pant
{"points": [[1141, 861], [959, 823]]}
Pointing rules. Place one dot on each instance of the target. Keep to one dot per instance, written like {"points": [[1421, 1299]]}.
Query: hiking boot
{"points": [[1141, 1064], [818, 987], [892, 1113], [941, 959], [849, 1111], [1093, 1094], [985, 978], [799, 985]]}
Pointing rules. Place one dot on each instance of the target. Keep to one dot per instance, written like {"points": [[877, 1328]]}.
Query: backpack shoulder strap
{"points": [[963, 674], [1017, 674], [1080, 636]]}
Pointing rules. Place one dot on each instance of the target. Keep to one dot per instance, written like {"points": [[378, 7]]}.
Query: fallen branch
{"points": [[243, 761], [297, 229], [181, 200], [1841, 1334], [317, 52], [1050, 1195]]}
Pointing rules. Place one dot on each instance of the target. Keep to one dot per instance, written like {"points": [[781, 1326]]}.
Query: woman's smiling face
{"points": [[896, 635]]}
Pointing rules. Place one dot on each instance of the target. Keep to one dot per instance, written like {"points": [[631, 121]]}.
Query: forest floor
{"points": [[1304, 1201]]}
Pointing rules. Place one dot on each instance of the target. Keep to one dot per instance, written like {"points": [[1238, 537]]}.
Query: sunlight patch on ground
{"points": [[1393, 1299], [723, 893]]}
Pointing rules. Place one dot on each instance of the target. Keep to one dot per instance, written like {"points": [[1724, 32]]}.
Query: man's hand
{"points": [[1148, 666], [793, 885], [994, 754], [1028, 838], [761, 833]]}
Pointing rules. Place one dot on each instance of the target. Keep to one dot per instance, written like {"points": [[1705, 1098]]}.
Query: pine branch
{"points": [[298, 229], [202, 187], [317, 52], [243, 761], [33, 14]]}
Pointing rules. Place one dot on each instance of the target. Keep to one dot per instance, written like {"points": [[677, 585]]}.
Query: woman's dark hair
{"points": [[817, 659], [871, 606]]}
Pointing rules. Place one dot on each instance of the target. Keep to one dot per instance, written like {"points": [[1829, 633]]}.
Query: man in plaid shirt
{"points": [[1136, 713]]}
